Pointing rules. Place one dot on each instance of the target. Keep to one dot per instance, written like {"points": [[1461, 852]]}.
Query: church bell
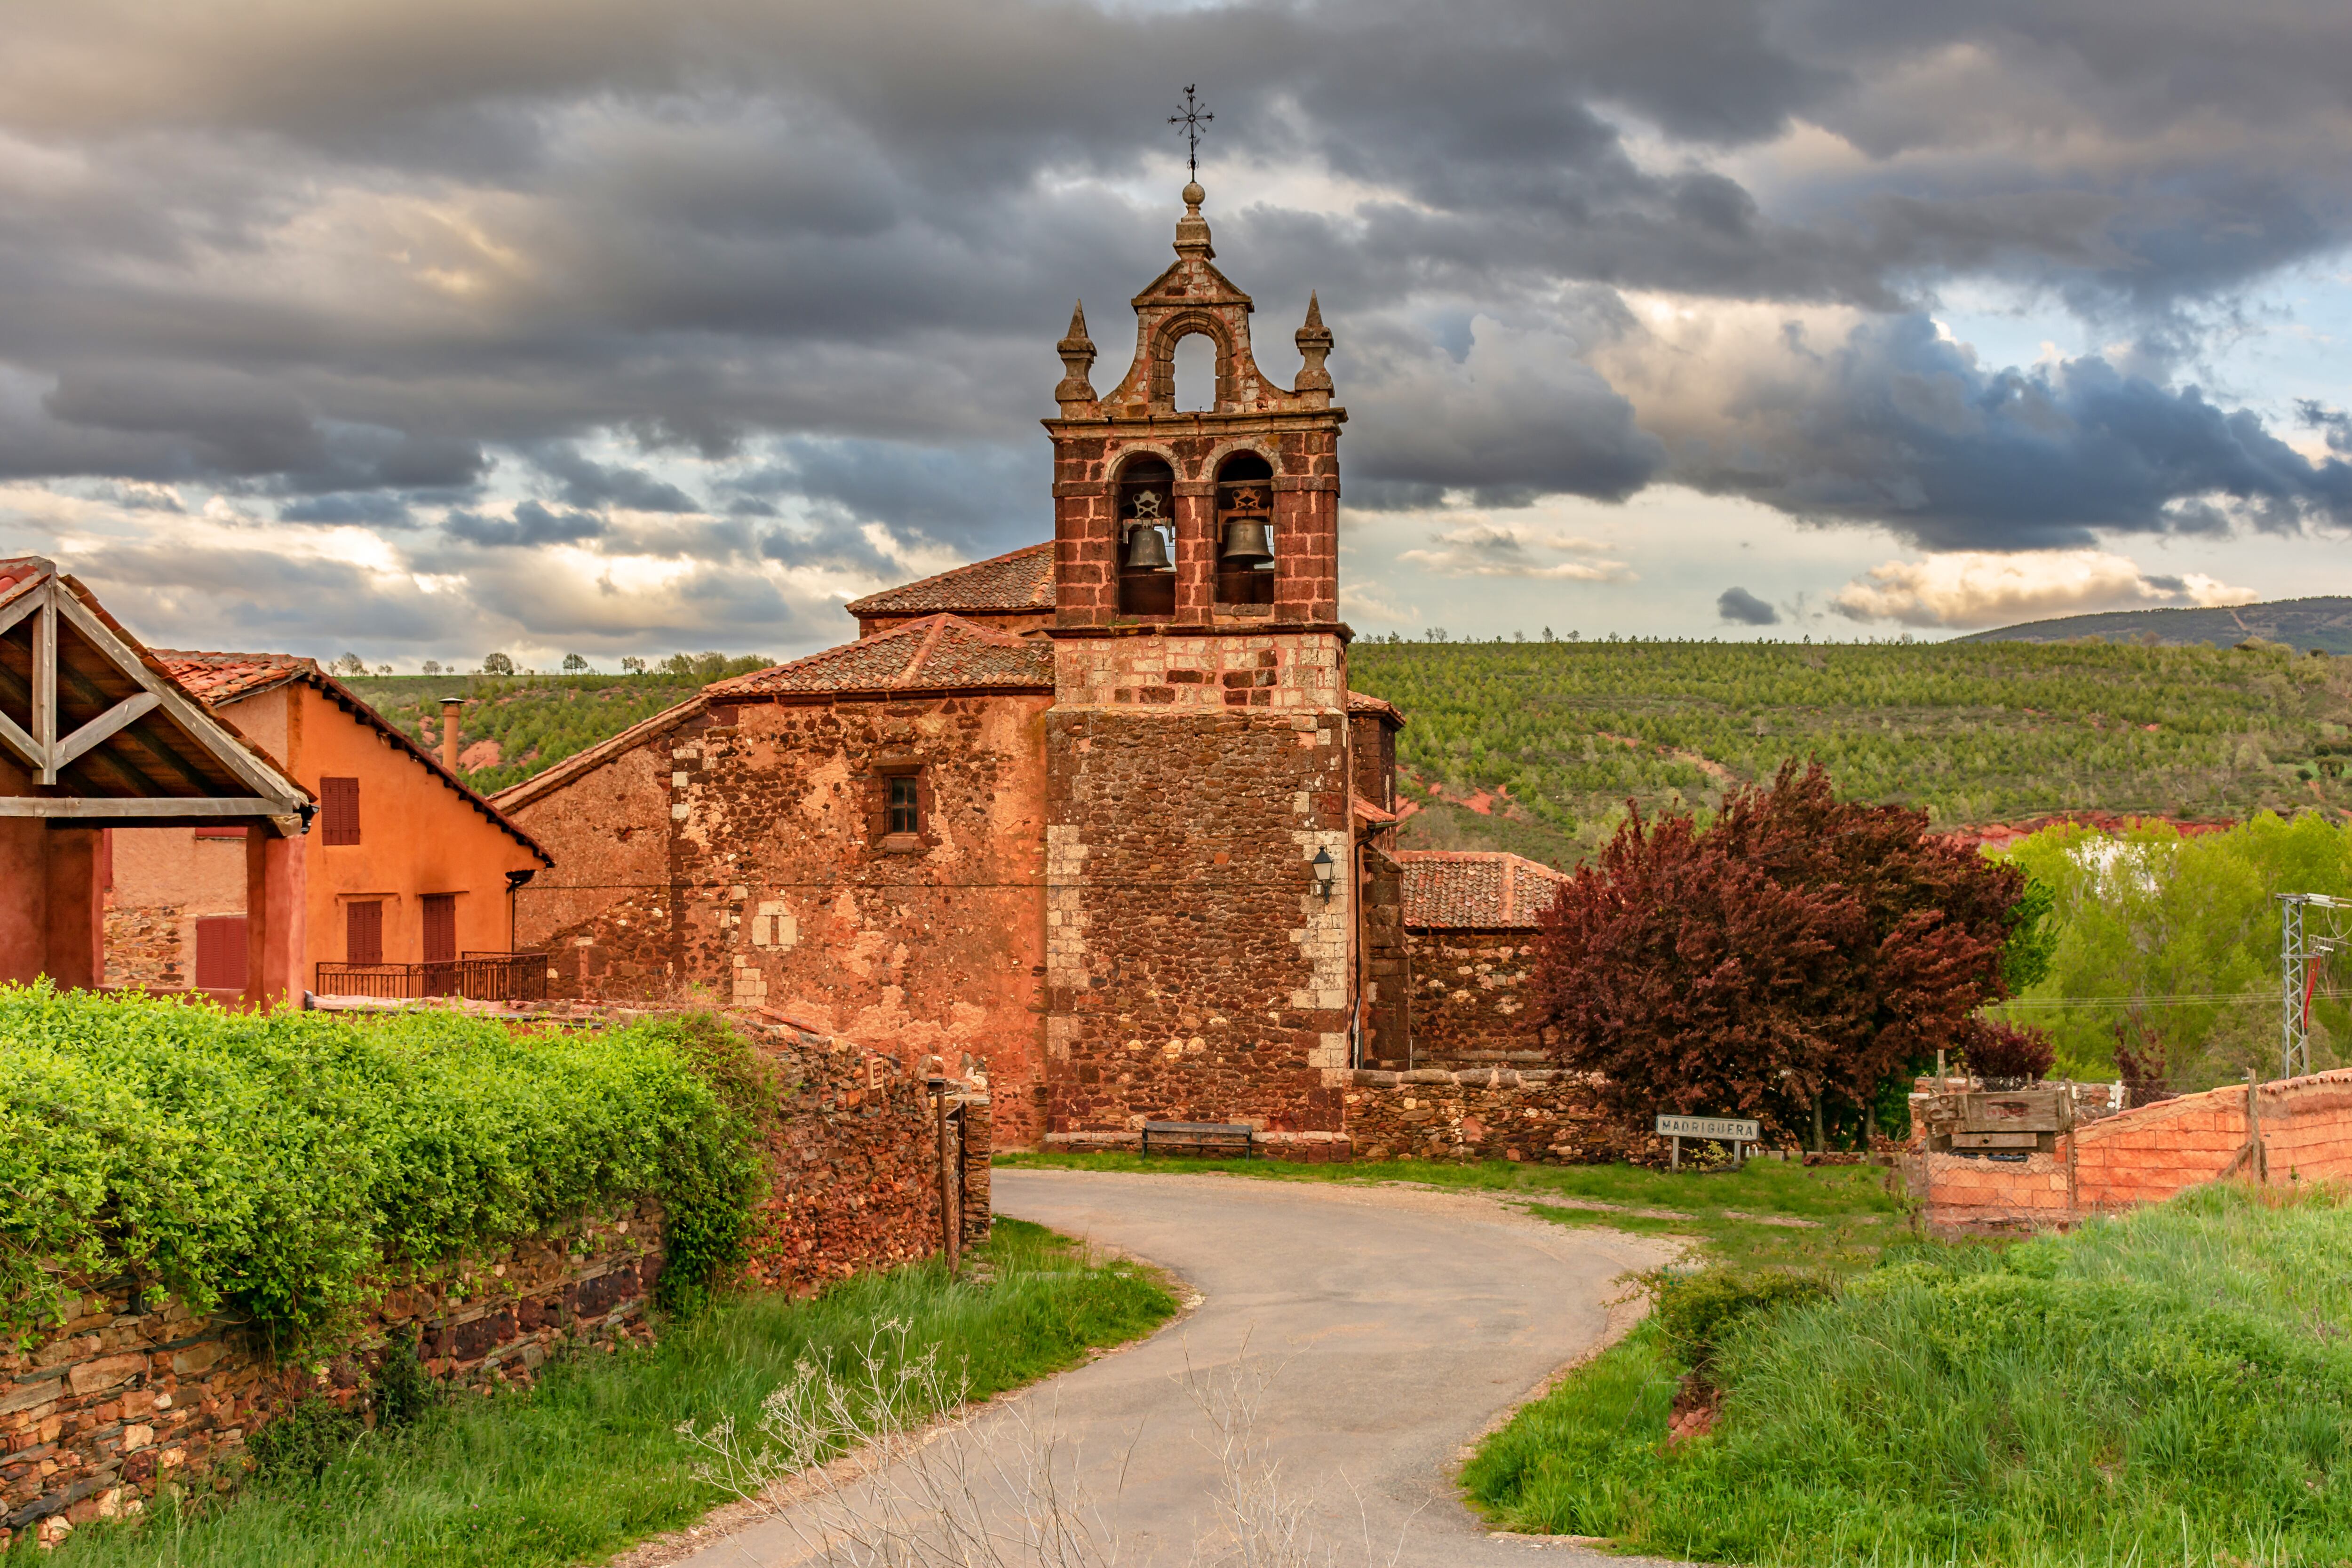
{"points": [[1146, 550], [1246, 543]]}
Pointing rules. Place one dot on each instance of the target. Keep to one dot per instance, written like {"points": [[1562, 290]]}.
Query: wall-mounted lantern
{"points": [[1326, 873]]}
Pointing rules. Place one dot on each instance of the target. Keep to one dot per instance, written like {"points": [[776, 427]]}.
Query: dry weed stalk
{"points": [[915, 1485]]}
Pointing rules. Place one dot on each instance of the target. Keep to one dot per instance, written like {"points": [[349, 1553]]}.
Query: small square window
{"points": [[903, 816]]}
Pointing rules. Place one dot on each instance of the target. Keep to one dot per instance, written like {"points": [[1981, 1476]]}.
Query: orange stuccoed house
{"points": [[409, 876]]}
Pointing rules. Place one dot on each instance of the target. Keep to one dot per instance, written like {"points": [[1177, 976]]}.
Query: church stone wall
{"points": [[1193, 972], [779, 887], [1469, 1006]]}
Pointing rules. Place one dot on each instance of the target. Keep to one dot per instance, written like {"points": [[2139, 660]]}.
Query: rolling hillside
{"points": [[1534, 747], [517, 724], [2302, 624]]}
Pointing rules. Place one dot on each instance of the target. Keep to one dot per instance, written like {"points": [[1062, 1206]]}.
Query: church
{"points": [[1099, 818]]}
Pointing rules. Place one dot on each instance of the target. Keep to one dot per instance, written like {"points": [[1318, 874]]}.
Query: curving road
{"points": [[1398, 1325]]}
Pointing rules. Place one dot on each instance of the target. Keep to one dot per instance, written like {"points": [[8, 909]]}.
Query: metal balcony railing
{"points": [[475, 976]]}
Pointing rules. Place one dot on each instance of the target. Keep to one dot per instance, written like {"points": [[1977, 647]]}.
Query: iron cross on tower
{"points": [[1193, 118]]}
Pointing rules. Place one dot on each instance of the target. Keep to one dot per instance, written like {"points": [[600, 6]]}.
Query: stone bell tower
{"points": [[1202, 953]]}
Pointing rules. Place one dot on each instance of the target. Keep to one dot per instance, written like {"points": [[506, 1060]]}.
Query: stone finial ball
{"points": [[1194, 195]]}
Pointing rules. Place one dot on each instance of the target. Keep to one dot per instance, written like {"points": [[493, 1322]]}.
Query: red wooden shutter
{"points": [[220, 954], [339, 810], [440, 927], [364, 933]]}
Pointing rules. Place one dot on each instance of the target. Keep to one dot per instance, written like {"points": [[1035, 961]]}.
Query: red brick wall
{"points": [[1192, 972], [1468, 1005], [2143, 1156], [773, 886]]}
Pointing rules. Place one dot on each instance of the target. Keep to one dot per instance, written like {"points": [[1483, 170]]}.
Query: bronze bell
{"points": [[1146, 550], [1245, 543]]}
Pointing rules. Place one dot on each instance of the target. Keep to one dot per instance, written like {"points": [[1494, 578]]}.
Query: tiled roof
{"points": [[935, 653], [1357, 702], [219, 679], [1475, 889], [1021, 581]]}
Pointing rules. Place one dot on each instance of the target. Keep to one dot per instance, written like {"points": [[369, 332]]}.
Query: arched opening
{"points": [[1196, 374], [1147, 538], [1246, 530]]}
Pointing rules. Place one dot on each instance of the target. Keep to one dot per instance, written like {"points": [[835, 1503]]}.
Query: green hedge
{"points": [[268, 1166]]}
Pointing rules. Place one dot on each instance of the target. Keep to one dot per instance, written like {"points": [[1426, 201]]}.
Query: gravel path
{"points": [[1397, 1326]]}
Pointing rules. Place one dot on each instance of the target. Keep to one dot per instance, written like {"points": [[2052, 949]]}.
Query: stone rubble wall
{"points": [[143, 948], [1469, 1005], [135, 1393], [1544, 1116], [2114, 1161]]}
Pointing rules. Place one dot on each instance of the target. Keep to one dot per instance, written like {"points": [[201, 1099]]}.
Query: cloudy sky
{"points": [[425, 328]]}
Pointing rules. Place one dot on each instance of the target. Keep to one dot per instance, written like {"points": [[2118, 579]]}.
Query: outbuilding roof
{"points": [[1020, 581], [217, 679], [1364, 702], [937, 653], [1475, 890]]}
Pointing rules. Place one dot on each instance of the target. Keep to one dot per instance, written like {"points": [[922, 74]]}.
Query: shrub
{"points": [[1695, 1312], [1999, 1051], [271, 1164]]}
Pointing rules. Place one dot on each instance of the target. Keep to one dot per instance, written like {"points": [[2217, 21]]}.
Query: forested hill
{"points": [[2302, 624], [514, 725], [1551, 738]]}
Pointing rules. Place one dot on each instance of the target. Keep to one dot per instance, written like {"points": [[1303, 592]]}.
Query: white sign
{"points": [[1728, 1129]]}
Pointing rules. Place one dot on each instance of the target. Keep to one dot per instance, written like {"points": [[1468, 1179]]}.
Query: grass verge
{"points": [[2173, 1385], [589, 1461]]}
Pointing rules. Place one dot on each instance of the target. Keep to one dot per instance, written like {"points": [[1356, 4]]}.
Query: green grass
{"points": [[2173, 1385], [1974, 734], [589, 1461], [1849, 1213]]}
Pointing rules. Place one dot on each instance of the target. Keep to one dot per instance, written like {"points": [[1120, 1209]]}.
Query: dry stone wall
{"points": [[136, 1391], [1543, 1116]]}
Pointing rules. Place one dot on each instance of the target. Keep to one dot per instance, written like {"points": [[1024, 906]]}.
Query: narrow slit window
{"points": [[904, 817]]}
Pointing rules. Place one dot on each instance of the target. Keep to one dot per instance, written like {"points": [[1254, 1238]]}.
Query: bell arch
{"points": [[1174, 330], [1143, 493], [1245, 529]]}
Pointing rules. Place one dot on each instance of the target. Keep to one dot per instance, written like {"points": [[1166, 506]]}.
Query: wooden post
{"points": [[2258, 1157], [950, 1223], [1678, 1154]]}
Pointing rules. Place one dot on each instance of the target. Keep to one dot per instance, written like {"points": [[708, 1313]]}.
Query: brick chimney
{"points": [[451, 708]]}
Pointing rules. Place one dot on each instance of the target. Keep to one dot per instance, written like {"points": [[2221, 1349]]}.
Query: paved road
{"points": [[1398, 1326]]}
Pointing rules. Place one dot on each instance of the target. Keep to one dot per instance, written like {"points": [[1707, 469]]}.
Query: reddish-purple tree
{"points": [[1800, 947]]}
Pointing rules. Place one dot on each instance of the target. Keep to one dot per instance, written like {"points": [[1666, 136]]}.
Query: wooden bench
{"points": [[1200, 1138]]}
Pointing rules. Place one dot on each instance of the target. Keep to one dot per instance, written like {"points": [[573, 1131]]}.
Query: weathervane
{"points": [[1193, 118]]}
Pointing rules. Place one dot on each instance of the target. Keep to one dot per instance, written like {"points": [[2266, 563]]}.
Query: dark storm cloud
{"points": [[330, 253], [583, 482], [1740, 607], [1899, 425], [531, 524]]}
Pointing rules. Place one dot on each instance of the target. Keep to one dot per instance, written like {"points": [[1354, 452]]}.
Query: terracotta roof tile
{"points": [[935, 653], [217, 678], [1023, 580], [1359, 703], [1475, 889]]}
